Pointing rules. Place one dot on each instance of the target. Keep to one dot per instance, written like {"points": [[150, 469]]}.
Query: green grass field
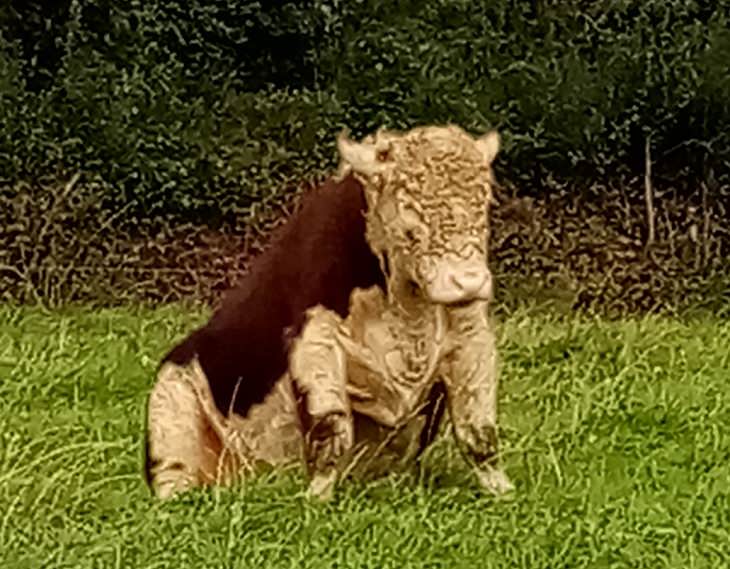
{"points": [[616, 434]]}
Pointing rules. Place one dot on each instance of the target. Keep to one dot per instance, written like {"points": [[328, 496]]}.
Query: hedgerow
{"points": [[206, 111], [173, 103]]}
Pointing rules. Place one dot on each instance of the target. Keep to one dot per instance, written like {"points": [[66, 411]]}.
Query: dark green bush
{"points": [[156, 98], [576, 87], [198, 109]]}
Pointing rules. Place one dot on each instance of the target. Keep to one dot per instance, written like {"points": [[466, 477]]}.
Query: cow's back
{"points": [[318, 257]]}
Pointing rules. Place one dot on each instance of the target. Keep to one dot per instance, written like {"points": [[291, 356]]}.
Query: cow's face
{"points": [[428, 192]]}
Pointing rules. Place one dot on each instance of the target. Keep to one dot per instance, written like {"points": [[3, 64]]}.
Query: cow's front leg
{"points": [[318, 371], [472, 378]]}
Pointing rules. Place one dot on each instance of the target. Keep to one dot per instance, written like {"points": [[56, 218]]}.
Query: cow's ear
{"points": [[361, 157], [489, 146]]}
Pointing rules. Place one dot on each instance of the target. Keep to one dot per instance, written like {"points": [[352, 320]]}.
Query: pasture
{"points": [[616, 434]]}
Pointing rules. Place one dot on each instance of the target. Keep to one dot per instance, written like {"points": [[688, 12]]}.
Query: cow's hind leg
{"points": [[318, 370], [183, 448]]}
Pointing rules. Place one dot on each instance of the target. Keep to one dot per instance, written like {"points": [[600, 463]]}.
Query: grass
{"points": [[616, 434]]}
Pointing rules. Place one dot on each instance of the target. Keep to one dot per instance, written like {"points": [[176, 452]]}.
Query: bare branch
{"points": [[707, 215], [649, 195]]}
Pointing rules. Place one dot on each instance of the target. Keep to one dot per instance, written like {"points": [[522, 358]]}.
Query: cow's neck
{"points": [[410, 307]]}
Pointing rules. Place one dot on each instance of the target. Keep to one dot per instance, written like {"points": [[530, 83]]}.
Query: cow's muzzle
{"points": [[458, 281]]}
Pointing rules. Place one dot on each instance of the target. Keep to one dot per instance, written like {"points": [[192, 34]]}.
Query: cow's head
{"points": [[428, 192]]}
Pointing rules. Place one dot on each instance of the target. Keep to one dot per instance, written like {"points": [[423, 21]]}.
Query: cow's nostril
{"points": [[468, 280], [456, 281]]}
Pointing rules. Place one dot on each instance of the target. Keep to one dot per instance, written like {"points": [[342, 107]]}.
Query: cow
{"points": [[353, 333]]}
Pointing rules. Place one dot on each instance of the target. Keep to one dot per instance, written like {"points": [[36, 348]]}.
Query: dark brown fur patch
{"points": [[318, 257], [434, 412]]}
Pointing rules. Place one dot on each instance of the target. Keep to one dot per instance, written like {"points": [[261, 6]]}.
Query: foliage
{"points": [[576, 87], [211, 112], [164, 102], [191, 108]]}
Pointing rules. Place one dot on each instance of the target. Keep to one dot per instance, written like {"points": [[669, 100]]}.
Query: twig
{"points": [[46, 225], [649, 195], [670, 235], [627, 209], [706, 214]]}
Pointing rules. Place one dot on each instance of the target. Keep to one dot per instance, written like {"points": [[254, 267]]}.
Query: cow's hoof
{"points": [[322, 485], [329, 440], [495, 481], [171, 483]]}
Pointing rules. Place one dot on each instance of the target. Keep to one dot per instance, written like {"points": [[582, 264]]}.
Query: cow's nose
{"points": [[469, 281]]}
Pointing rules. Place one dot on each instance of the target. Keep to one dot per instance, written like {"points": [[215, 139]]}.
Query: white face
{"points": [[428, 191], [443, 252]]}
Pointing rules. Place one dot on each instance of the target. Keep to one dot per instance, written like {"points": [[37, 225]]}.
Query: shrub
{"points": [[188, 108], [155, 98], [577, 88], [209, 111]]}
